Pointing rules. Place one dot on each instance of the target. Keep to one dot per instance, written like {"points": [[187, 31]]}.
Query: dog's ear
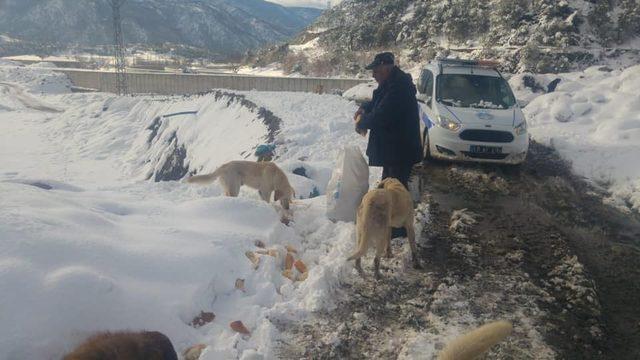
{"points": [[382, 183]]}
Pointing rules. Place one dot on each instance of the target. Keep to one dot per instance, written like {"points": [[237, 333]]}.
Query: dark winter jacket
{"points": [[393, 120]]}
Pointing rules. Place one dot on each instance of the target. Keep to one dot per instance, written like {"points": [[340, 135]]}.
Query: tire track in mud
{"points": [[536, 245]]}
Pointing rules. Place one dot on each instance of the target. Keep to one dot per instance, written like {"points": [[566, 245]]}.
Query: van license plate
{"points": [[479, 149]]}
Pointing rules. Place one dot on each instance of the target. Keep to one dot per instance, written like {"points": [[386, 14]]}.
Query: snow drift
{"points": [[593, 120], [90, 242]]}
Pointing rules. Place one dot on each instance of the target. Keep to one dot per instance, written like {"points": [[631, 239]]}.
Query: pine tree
{"points": [[508, 13], [628, 20], [601, 22]]}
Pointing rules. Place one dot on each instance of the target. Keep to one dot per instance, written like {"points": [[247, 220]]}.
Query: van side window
{"points": [[429, 82], [426, 85]]}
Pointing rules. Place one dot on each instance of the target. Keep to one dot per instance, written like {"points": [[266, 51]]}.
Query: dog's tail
{"points": [[360, 251], [360, 238], [475, 343], [362, 245], [374, 211], [204, 179]]}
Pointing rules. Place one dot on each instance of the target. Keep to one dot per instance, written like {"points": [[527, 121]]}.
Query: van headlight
{"points": [[449, 124], [521, 128]]}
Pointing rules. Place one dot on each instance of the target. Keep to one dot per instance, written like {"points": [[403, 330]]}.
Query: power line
{"points": [[119, 53]]}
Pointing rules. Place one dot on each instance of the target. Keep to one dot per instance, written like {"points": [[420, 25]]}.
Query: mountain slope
{"points": [[224, 26], [532, 35]]}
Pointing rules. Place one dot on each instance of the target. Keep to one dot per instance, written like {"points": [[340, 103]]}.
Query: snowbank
{"points": [[361, 92], [77, 262], [269, 70], [593, 120], [89, 244], [35, 79], [527, 86], [43, 64]]}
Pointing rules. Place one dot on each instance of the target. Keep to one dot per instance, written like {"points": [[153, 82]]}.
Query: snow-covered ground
{"points": [[593, 120], [270, 70], [89, 244]]}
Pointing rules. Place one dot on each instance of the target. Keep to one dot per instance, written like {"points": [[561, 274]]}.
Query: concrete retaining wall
{"points": [[194, 83]]}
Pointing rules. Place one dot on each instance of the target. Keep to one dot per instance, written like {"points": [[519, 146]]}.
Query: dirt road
{"points": [[535, 245]]}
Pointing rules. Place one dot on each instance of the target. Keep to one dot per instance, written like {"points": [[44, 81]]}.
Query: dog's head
{"points": [[285, 196], [124, 345], [389, 183]]}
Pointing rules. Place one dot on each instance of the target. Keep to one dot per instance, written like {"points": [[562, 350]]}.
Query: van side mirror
{"points": [[521, 103], [424, 98]]}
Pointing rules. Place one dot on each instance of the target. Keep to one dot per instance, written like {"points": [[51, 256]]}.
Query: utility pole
{"points": [[119, 55]]}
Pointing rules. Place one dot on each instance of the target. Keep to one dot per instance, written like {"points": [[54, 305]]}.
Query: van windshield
{"points": [[474, 91]]}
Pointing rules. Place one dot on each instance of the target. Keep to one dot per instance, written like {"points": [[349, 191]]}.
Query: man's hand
{"points": [[358, 113], [362, 132]]}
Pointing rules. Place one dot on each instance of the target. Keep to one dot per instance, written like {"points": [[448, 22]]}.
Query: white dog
{"points": [[266, 177]]}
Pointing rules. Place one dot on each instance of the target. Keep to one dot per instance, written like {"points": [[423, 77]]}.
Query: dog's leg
{"points": [[411, 235], [376, 267], [389, 254], [382, 246], [359, 239], [359, 266], [285, 202], [234, 188], [265, 194], [225, 187], [231, 186]]}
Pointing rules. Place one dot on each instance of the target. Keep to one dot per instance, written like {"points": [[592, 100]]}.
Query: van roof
{"points": [[470, 70], [459, 66]]}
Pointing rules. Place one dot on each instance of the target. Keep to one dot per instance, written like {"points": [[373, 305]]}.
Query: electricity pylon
{"points": [[118, 41]]}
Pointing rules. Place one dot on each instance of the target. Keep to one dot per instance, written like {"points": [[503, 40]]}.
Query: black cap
{"points": [[385, 58]]}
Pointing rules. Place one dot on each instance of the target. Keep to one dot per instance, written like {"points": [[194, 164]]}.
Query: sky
{"points": [[309, 3]]}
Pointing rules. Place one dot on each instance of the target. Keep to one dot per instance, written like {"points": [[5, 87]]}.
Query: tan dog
{"points": [[475, 343], [390, 205], [146, 345], [266, 177]]}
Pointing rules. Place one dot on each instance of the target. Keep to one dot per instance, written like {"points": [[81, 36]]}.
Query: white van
{"points": [[469, 112]]}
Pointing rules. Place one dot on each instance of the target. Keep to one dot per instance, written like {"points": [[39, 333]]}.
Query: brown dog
{"points": [[266, 177], [475, 343], [146, 345], [390, 205]]}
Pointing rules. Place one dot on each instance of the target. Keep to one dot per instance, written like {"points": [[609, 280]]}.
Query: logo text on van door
{"points": [[484, 115]]}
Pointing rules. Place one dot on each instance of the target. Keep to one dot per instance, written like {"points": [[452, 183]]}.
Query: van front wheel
{"points": [[426, 153]]}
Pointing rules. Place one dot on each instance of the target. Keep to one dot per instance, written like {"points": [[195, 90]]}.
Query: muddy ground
{"points": [[535, 245]]}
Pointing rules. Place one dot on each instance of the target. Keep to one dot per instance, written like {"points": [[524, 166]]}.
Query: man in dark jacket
{"points": [[393, 120]]}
